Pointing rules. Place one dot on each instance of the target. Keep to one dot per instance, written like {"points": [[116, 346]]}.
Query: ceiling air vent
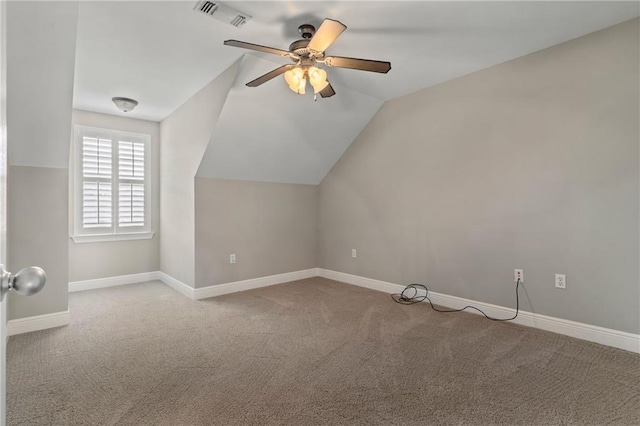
{"points": [[222, 12]]}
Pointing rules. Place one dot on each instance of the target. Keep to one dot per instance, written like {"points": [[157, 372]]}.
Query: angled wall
{"points": [[184, 136], [41, 40], [529, 164], [270, 134]]}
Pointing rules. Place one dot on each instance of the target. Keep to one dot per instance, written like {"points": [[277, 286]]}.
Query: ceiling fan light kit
{"points": [[297, 78], [307, 53]]}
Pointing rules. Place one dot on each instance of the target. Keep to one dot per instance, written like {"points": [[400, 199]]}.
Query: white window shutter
{"points": [[96, 158], [96, 188], [131, 174], [131, 204], [131, 160]]}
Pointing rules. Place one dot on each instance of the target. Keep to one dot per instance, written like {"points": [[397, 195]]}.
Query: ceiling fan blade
{"points": [[258, 48], [358, 64], [268, 76], [328, 91], [325, 35]]}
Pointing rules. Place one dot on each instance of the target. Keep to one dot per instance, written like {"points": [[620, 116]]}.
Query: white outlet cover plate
{"points": [[518, 273], [354, 253], [561, 281]]}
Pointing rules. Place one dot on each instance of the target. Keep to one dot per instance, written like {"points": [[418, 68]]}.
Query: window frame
{"points": [[115, 232]]}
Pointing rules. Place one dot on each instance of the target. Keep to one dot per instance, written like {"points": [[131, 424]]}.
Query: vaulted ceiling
{"points": [[162, 53]]}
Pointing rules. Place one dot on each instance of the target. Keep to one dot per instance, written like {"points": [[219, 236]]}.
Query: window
{"points": [[111, 185]]}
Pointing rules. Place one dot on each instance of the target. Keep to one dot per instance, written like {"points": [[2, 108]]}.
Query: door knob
{"points": [[26, 282]]}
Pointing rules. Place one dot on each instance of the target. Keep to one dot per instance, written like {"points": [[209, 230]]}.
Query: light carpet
{"points": [[309, 352]]}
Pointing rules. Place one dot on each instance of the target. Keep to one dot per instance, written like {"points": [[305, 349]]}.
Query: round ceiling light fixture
{"points": [[125, 104]]}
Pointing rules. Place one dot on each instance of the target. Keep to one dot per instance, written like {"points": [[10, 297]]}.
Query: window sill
{"points": [[101, 238]]}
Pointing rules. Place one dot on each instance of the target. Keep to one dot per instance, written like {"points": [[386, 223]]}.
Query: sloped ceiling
{"points": [[162, 53], [41, 51], [292, 140]]}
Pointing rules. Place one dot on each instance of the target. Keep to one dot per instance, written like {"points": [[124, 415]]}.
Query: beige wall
{"points": [[37, 235], [270, 227], [109, 259], [529, 164], [184, 137]]}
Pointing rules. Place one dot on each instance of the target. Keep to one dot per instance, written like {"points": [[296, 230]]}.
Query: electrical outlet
{"points": [[518, 275], [561, 281], [232, 258], [354, 253]]}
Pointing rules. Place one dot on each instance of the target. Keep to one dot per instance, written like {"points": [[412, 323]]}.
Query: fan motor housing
{"points": [[299, 47]]}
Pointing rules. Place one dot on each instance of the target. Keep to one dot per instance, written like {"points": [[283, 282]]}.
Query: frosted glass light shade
{"points": [[125, 104], [296, 80], [317, 78]]}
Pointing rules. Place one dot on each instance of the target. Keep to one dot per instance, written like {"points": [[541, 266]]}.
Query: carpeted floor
{"points": [[306, 353]]}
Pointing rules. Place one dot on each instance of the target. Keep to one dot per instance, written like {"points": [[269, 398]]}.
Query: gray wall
{"points": [[529, 164], [41, 39], [37, 235], [108, 259], [184, 136], [271, 227]]}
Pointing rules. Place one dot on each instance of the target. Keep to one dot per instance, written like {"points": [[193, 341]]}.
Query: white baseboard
{"points": [[604, 336], [38, 322], [112, 281], [233, 287], [178, 286], [190, 292]]}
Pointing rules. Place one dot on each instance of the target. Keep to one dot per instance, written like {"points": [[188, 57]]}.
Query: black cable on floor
{"points": [[410, 295]]}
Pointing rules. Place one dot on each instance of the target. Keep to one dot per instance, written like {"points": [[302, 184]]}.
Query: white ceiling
{"points": [[161, 53]]}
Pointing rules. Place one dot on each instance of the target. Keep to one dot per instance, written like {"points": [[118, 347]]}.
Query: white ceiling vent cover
{"points": [[222, 12]]}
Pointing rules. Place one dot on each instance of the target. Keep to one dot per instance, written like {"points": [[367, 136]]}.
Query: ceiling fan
{"points": [[307, 53]]}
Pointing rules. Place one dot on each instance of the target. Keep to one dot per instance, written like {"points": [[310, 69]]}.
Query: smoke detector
{"points": [[222, 12]]}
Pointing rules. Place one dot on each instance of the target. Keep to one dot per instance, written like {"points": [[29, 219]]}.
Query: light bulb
{"points": [[300, 87]]}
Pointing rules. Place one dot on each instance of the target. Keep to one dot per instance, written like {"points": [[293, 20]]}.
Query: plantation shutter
{"points": [[131, 175], [111, 184], [97, 168]]}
